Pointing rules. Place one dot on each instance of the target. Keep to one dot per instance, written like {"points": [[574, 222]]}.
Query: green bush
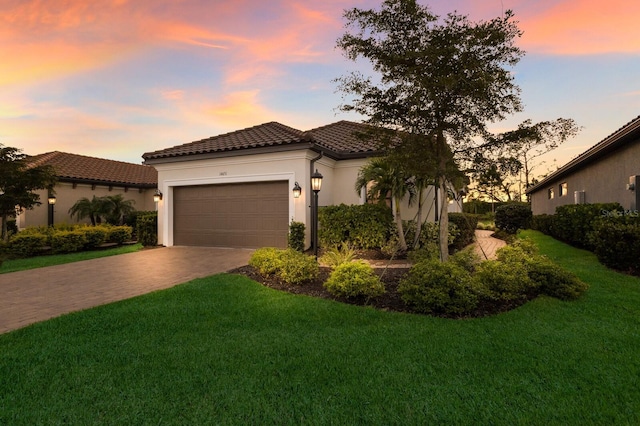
{"points": [[466, 225], [119, 234], [147, 228], [26, 244], [542, 223], [616, 243], [297, 268], [505, 281], [430, 251], [336, 256], [434, 287], [296, 236], [467, 259], [363, 226], [572, 223], [67, 241], [513, 216], [93, 236], [354, 279], [267, 260], [555, 281]]}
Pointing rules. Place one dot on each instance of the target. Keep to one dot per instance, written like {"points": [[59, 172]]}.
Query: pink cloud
{"points": [[583, 27]]}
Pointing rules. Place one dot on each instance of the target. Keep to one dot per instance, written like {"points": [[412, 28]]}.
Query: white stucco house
{"points": [[236, 189]]}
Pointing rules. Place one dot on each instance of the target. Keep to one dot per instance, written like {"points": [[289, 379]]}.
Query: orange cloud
{"points": [[583, 27]]}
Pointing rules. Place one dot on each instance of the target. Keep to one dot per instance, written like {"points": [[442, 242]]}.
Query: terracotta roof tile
{"points": [[339, 138], [268, 134], [82, 168]]}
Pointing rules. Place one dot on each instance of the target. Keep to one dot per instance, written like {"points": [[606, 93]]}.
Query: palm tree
{"points": [[117, 208], [387, 177], [94, 209]]}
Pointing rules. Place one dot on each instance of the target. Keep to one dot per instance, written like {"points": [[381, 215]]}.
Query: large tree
{"points": [[18, 183], [441, 81]]}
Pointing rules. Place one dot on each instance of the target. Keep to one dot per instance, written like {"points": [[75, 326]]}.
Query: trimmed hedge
{"points": [[27, 244], [296, 236], [363, 226], [68, 241], [147, 228], [616, 243], [290, 266], [513, 216], [466, 224], [542, 223], [572, 223]]}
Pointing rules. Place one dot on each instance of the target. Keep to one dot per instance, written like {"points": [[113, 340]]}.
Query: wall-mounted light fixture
{"points": [[297, 190], [157, 196], [631, 186]]}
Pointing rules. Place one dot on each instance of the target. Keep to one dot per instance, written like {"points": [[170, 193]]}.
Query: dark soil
{"points": [[390, 301]]}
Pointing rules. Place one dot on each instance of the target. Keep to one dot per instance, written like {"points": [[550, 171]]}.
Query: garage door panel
{"points": [[232, 215]]}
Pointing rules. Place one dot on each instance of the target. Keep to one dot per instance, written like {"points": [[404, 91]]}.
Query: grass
{"points": [[15, 265], [226, 350]]}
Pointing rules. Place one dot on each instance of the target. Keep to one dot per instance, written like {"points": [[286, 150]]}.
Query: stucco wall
{"points": [[337, 185], [603, 181], [67, 195]]}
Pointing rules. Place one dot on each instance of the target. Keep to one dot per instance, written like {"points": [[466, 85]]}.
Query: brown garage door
{"points": [[231, 215]]}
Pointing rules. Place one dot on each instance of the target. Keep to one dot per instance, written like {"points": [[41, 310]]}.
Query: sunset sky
{"points": [[117, 78]]}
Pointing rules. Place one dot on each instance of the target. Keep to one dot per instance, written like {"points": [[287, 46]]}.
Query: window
{"points": [[563, 189], [551, 194]]}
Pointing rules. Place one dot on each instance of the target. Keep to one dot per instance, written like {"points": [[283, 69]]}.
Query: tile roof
{"points": [[625, 134], [76, 167], [337, 138]]}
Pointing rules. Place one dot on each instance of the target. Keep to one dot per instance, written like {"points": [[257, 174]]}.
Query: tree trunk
{"points": [[416, 238], [5, 234], [444, 220], [401, 240]]}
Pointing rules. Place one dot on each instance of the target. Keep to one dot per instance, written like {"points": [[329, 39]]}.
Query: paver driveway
{"points": [[35, 295]]}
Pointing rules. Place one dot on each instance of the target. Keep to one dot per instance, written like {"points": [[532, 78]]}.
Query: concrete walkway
{"points": [[39, 294], [486, 245]]}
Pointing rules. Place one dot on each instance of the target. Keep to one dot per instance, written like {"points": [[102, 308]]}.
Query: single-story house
{"points": [[79, 176], [237, 189], [607, 172]]}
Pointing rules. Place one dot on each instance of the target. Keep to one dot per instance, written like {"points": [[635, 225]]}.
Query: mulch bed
{"points": [[390, 301]]}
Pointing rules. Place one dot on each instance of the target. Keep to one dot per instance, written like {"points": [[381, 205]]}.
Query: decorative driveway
{"points": [[39, 294]]}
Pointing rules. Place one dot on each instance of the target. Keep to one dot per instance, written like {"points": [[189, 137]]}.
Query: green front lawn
{"points": [[15, 265], [226, 350]]}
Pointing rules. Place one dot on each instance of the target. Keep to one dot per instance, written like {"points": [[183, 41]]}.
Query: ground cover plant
{"points": [[227, 350], [14, 265]]}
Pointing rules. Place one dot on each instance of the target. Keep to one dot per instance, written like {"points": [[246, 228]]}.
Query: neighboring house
{"points": [[607, 172], [236, 189], [79, 177]]}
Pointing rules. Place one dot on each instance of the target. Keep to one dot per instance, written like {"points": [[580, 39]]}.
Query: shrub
{"points": [[430, 251], [505, 281], [120, 234], [616, 243], [467, 259], [336, 256], [572, 223], [555, 281], [363, 226], [296, 236], [513, 216], [296, 267], [93, 236], [466, 225], [147, 228], [354, 279], [542, 223], [26, 244], [439, 288], [267, 260], [67, 241]]}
